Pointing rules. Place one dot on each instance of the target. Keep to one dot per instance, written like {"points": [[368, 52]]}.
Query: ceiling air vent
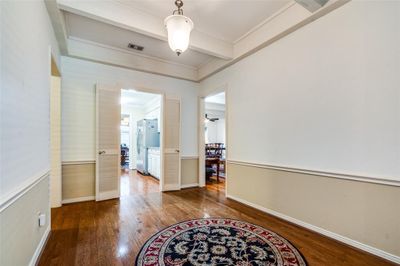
{"points": [[312, 5], [135, 47]]}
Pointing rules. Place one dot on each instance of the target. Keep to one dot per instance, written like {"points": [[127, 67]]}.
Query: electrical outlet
{"points": [[42, 219]]}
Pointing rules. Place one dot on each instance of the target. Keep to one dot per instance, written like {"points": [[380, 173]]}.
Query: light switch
{"points": [[42, 219]]}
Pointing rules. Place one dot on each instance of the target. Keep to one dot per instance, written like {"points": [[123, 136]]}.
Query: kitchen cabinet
{"points": [[154, 162]]}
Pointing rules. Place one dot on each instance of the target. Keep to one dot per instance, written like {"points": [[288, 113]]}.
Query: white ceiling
{"points": [[224, 31], [136, 98], [217, 98], [224, 19], [101, 33]]}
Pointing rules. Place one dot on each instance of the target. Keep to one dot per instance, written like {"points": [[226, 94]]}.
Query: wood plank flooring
{"points": [[112, 232]]}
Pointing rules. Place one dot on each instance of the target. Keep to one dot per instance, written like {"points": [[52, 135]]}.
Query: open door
{"points": [[172, 158], [108, 116]]}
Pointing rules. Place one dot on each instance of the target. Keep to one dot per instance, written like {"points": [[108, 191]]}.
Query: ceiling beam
{"points": [[104, 54], [58, 23], [123, 16]]}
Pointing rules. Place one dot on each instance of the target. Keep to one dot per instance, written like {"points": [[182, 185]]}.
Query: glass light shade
{"points": [[178, 28]]}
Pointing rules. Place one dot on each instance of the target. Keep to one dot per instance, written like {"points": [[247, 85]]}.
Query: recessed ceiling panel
{"points": [[102, 33], [224, 19]]}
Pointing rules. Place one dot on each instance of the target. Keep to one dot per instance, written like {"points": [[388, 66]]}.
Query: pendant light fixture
{"points": [[178, 28]]}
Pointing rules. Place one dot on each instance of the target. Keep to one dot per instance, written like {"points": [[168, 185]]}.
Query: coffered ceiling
{"points": [[225, 31], [227, 20]]}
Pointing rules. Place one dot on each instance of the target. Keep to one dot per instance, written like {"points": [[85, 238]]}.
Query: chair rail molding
{"points": [[22, 189], [354, 177]]}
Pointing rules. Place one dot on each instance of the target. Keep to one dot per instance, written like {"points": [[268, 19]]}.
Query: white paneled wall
{"points": [[78, 104]]}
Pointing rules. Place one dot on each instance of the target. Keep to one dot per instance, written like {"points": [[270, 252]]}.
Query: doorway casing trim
{"points": [[163, 97], [201, 141]]}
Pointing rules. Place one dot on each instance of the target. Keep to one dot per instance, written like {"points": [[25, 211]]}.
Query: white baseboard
{"points": [[190, 185], [40, 247], [171, 187], [343, 239], [114, 194], [80, 199]]}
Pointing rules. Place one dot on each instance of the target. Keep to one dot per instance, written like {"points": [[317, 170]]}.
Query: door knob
{"points": [[177, 151], [101, 152]]}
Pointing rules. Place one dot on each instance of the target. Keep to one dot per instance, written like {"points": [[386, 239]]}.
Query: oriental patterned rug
{"points": [[218, 241]]}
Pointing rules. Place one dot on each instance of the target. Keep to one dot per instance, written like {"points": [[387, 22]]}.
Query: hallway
{"points": [[133, 183], [112, 232]]}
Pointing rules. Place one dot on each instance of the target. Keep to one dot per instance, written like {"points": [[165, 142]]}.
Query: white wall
{"points": [[78, 104], [215, 132], [325, 97], [153, 111], [25, 87], [26, 35]]}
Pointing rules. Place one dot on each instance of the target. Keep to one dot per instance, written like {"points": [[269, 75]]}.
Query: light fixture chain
{"points": [[179, 5]]}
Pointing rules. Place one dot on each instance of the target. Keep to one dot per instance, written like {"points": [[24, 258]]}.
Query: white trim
{"points": [[40, 247], [22, 189], [340, 238], [113, 194], [162, 148], [190, 185], [266, 21], [354, 177], [171, 187], [80, 199], [78, 162], [189, 157], [201, 142]]}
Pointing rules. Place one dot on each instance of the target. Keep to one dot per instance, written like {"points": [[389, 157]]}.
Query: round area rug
{"points": [[218, 241]]}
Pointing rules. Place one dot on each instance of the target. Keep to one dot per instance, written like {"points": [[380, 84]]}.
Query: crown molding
{"points": [[261, 24], [283, 23]]}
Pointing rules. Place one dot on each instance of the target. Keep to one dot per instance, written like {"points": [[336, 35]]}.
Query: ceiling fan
{"points": [[211, 119]]}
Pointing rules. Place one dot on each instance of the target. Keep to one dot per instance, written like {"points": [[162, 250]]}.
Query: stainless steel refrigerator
{"points": [[147, 137]]}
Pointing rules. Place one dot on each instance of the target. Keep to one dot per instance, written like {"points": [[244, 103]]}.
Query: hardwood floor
{"points": [[214, 186], [112, 232]]}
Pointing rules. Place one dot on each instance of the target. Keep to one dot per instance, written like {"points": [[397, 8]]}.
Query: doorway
{"points": [[214, 141], [140, 142]]}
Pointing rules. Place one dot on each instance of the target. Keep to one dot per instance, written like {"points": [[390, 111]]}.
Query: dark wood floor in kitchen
{"points": [[112, 232]]}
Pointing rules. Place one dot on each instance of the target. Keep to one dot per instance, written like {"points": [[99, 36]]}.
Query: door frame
{"points": [[162, 118], [201, 134]]}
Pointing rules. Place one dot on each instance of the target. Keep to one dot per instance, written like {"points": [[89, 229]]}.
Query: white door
{"points": [[108, 120], [172, 158]]}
